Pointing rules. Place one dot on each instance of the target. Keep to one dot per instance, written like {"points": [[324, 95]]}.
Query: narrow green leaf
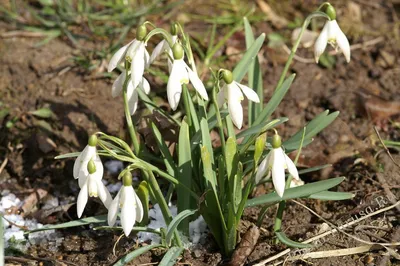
{"points": [[290, 243], [262, 127], [130, 256], [315, 126], [231, 157], [175, 222], [296, 192], [185, 173], [167, 157], [67, 155], [43, 113], [171, 256], [275, 100], [209, 174], [313, 169], [80, 222], [332, 195], [255, 76], [206, 139], [237, 187], [243, 65]]}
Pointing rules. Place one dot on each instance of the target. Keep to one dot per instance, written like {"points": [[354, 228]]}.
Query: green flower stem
{"points": [[169, 177], [219, 119], [131, 128], [163, 205], [186, 104], [296, 45]]}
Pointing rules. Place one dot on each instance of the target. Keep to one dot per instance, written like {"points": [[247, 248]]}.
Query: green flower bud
{"points": [[127, 179], [91, 167], [276, 141], [177, 51], [331, 12], [141, 32], [227, 76], [92, 140], [174, 28], [259, 146]]}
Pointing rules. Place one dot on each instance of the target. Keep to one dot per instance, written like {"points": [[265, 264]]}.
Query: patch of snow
{"points": [[114, 166], [14, 235]]}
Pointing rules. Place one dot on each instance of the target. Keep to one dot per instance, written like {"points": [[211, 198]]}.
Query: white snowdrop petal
{"points": [[92, 186], [113, 210], [221, 96], [118, 57], [197, 83], [321, 42], [82, 199], [278, 171], [344, 45], [292, 169], [145, 86], [118, 85], [82, 179], [262, 169], [250, 93], [158, 50], [138, 64], [234, 105], [104, 194], [133, 101], [80, 163], [128, 212], [174, 85], [139, 208]]}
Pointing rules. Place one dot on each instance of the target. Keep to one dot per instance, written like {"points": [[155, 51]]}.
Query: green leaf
{"points": [[209, 174], [231, 157], [290, 243], [43, 113], [130, 256], [315, 126], [332, 195], [275, 100], [296, 192], [254, 76], [206, 139], [243, 65], [264, 126], [313, 169], [166, 155], [80, 222], [143, 194], [185, 173], [171, 256], [175, 222]]}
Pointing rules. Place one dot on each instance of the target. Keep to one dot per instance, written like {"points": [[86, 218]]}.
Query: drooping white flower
{"points": [[231, 92], [275, 164], [182, 74], [132, 93], [134, 52], [163, 47], [131, 209], [88, 153], [332, 34], [91, 186]]}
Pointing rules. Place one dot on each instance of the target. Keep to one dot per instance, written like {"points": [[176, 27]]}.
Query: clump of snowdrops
{"points": [[210, 180]]}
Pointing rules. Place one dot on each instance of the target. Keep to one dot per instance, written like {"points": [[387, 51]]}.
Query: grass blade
{"points": [[290, 243], [332, 195], [80, 222], [130, 256], [170, 257], [167, 157], [175, 222], [296, 192]]}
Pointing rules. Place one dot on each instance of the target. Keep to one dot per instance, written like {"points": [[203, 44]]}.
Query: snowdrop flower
{"points": [[130, 204], [92, 186], [163, 46], [232, 93], [275, 163], [135, 53], [88, 153], [332, 34], [132, 93], [182, 74]]}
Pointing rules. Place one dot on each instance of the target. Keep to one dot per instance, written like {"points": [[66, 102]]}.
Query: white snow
{"points": [[197, 228], [13, 233]]}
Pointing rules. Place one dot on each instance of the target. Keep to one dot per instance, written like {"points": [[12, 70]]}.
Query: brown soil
{"points": [[35, 77]]}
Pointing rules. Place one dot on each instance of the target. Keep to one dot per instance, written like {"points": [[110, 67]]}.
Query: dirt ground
{"points": [[365, 91]]}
